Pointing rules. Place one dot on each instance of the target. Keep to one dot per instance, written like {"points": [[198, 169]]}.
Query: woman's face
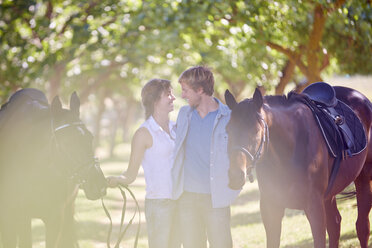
{"points": [[165, 103]]}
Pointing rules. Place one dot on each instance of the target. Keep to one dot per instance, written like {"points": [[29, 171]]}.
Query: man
{"points": [[200, 170]]}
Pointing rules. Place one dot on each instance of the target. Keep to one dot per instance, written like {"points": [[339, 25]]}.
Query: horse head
{"points": [[73, 151], [247, 135]]}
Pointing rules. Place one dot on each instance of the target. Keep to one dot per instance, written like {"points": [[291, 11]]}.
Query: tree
{"points": [[284, 38], [112, 47]]}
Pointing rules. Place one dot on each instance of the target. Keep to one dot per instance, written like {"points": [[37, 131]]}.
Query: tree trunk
{"points": [[313, 49], [128, 118], [99, 79], [288, 71], [55, 80], [114, 128], [312, 78], [303, 84], [97, 129], [313, 64]]}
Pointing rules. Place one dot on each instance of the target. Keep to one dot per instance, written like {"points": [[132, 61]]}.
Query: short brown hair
{"points": [[198, 77], [151, 93]]}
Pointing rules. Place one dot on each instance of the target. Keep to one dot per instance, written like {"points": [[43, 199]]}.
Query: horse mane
{"points": [[284, 100]]}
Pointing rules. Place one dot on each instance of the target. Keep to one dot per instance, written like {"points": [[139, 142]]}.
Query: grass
{"points": [[247, 227]]}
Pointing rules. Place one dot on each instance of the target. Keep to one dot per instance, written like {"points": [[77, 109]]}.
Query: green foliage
{"points": [[90, 45], [351, 39]]}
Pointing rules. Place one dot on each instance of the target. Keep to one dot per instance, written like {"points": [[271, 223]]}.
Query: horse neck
{"points": [[282, 129], [277, 116]]}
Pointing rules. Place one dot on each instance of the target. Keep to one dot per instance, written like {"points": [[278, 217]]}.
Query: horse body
{"points": [[44, 152], [294, 169], [289, 182]]}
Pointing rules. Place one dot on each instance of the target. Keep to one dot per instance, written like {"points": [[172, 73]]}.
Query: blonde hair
{"points": [[198, 77]]}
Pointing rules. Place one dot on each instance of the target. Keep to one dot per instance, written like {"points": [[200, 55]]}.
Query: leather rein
{"points": [[254, 157], [122, 230]]}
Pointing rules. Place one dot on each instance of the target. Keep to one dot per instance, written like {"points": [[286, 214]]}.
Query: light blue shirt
{"points": [[221, 194], [197, 153]]}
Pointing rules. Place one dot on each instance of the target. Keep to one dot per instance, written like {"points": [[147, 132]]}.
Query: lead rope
{"points": [[123, 231]]}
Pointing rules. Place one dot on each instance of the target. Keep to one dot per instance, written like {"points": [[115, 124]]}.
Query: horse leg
{"points": [[315, 213], [333, 222], [364, 200], [53, 228], [272, 219], [68, 232], [8, 227], [60, 229], [25, 235], [8, 236]]}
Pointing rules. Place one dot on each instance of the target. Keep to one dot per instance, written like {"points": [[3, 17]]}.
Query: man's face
{"points": [[190, 95]]}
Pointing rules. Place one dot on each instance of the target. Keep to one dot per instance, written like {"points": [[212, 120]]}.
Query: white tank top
{"points": [[158, 160]]}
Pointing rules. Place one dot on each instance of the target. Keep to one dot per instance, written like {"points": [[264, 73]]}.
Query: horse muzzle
{"points": [[236, 179], [95, 183]]}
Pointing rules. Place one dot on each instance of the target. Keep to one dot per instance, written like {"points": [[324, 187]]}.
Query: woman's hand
{"points": [[115, 181]]}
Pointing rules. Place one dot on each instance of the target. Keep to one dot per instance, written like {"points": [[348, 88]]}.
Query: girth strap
{"points": [[347, 135]]}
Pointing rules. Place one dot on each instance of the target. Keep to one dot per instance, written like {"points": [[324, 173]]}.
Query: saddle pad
{"points": [[25, 104], [355, 126], [330, 131]]}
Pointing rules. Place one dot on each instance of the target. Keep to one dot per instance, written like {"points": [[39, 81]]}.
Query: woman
{"points": [[152, 146]]}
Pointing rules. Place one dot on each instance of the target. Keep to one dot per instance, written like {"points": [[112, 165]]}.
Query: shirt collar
{"points": [[156, 127], [222, 108]]}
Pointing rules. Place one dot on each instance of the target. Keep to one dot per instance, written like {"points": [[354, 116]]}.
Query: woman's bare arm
{"points": [[141, 141]]}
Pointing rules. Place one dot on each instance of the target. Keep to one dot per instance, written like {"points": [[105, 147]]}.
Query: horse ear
{"points": [[230, 100], [75, 103], [56, 105], [258, 99]]}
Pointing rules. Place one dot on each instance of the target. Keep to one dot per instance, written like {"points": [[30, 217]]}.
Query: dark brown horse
{"points": [[45, 155], [294, 165]]}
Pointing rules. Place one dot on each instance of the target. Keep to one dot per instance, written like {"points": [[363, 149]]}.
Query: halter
{"points": [[79, 123], [257, 155], [77, 174]]}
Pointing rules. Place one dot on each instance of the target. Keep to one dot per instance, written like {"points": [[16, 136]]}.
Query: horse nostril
{"points": [[236, 179], [235, 186]]}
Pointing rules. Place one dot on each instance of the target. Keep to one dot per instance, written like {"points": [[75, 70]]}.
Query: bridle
{"points": [[254, 157], [74, 124], [82, 168], [79, 178]]}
